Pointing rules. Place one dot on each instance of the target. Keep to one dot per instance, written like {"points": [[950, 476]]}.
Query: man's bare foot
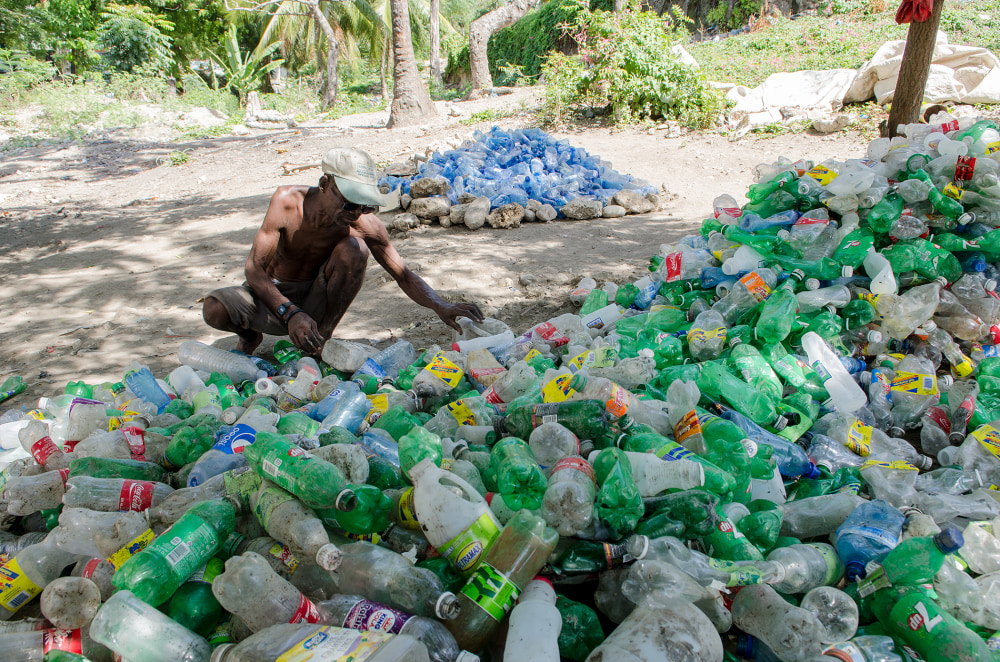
{"points": [[249, 341]]}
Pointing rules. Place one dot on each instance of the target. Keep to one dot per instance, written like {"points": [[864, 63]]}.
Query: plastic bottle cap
{"points": [[329, 557], [847, 271], [43, 402], [578, 382], [875, 336], [780, 424], [990, 285], [855, 570], [220, 652], [797, 274], [784, 235], [949, 540], [812, 472], [447, 606], [812, 283]]}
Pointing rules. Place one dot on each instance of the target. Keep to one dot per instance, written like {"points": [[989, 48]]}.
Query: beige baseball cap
{"points": [[354, 172]]}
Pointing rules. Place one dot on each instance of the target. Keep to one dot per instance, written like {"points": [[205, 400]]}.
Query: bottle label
{"points": [[550, 334], [461, 412], [273, 459], [965, 168], [15, 588], [115, 422], [466, 549], [241, 482], [234, 441], [136, 495], [547, 413], [617, 404], [704, 335], [141, 542], [268, 501], [369, 367], [940, 417], [444, 369], [185, 555], [220, 635], [558, 389], [738, 575], [822, 174], [687, 427], [332, 644], [490, 395], [91, 568], [859, 438], [989, 437], [43, 449], [531, 355], [406, 517], [670, 269], [671, 452], [284, 554], [615, 556], [207, 573], [58, 639], [871, 533], [379, 402], [136, 440], [368, 615], [491, 591], [845, 651], [952, 191], [577, 463], [916, 383], [578, 361], [486, 376], [306, 611], [898, 465]]}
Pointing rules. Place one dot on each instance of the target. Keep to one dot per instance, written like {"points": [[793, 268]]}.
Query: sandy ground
{"points": [[107, 250]]}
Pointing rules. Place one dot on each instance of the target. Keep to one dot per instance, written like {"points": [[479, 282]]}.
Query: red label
{"points": [[306, 613], [136, 495], [577, 463], [915, 621], [551, 334], [43, 449], [62, 640], [136, 440], [64, 474], [491, 396], [995, 330], [69, 446], [940, 416], [671, 268], [964, 168], [806, 220], [726, 526], [296, 452], [948, 127], [90, 568], [731, 212]]}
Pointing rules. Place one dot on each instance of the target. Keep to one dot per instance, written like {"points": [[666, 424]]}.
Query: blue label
{"points": [[372, 368], [233, 441]]}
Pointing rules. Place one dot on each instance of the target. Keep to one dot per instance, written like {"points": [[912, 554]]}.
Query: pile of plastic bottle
{"points": [[515, 166], [782, 443]]}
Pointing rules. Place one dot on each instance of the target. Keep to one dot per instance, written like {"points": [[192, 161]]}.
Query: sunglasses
{"points": [[364, 209]]}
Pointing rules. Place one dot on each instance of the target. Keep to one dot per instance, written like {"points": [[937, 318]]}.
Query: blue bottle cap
{"points": [[949, 540], [812, 472], [855, 571]]}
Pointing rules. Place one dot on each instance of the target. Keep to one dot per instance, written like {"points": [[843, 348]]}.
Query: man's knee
{"points": [[215, 314], [350, 255]]}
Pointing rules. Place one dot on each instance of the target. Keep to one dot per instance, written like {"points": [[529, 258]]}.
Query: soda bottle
{"points": [[517, 555], [211, 359], [707, 336], [136, 630], [587, 419], [754, 403], [416, 445], [704, 569], [250, 589], [618, 504], [844, 392], [817, 515], [914, 561], [70, 603], [224, 455], [805, 567], [317, 483], [35, 440], [287, 519], [113, 494], [653, 475], [112, 536], [791, 632], [652, 633], [581, 629], [155, 573], [871, 532], [568, 503], [292, 641], [519, 478], [28, 573]]}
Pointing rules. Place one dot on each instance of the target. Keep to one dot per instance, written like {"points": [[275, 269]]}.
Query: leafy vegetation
{"points": [[245, 74]]}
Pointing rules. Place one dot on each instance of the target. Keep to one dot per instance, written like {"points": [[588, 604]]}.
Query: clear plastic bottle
{"points": [[138, 631], [345, 355], [550, 443], [212, 359], [818, 515], [320, 642], [114, 494], [568, 504], [791, 632], [70, 603], [29, 572], [845, 393], [675, 633], [806, 566], [250, 589], [114, 536], [35, 439], [287, 519], [911, 309], [27, 494], [388, 362], [654, 475], [707, 335]]}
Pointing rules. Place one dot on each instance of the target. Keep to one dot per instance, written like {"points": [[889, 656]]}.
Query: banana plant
{"points": [[244, 74]]}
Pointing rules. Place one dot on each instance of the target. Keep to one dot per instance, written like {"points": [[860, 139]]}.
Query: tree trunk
{"points": [[436, 41], [619, 5], [729, 12], [410, 102], [916, 64], [332, 53], [485, 27], [383, 68]]}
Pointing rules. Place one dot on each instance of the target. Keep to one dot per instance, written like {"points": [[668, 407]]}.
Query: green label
{"points": [[185, 549], [875, 580], [242, 482], [268, 501], [491, 591], [466, 550], [279, 463]]}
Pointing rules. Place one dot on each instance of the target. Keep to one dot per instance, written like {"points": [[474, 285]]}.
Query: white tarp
{"points": [[963, 74]]}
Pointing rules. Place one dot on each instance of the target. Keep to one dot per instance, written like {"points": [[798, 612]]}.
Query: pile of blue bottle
{"points": [[521, 165]]}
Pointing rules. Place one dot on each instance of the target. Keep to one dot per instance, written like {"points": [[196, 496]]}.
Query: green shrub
{"points": [[626, 64], [133, 36], [20, 72]]}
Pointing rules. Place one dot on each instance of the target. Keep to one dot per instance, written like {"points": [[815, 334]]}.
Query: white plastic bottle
{"points": [[212, 359], [535, 624], [844, 392], [879, 269]]}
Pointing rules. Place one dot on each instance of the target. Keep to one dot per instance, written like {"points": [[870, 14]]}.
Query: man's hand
{"points": [[449, 311], [304, 333]]}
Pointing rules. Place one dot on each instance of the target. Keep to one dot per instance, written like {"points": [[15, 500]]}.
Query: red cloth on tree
{"points": [[914, 10]]}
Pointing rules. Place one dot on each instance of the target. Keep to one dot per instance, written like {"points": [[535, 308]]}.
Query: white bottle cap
{"points": [[43, 402], [329, 557], [847, 271]]}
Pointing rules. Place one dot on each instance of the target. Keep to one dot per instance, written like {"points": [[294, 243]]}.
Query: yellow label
{"points": [[444, 370], [461, 412], [406, 517], [379, 402], [333, 644], [532, 354], [617, 404], [704, 335], [952, 191], [963, 368], [141, 542], [989, 437], [116, 422], [916, 383], [15, 589], [895, 464], [822, 174], [859, 438], [558, 389], [605, 357], [577, 362], [993, 148], [36, 414]]}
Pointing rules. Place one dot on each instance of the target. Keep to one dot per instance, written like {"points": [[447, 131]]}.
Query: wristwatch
{"points": [[283, 309]]}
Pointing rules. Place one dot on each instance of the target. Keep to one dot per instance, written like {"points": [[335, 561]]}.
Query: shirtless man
{"points": [[309, 257]]}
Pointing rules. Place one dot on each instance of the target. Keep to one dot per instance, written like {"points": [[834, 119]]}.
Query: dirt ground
{"points": [[107, 250]]}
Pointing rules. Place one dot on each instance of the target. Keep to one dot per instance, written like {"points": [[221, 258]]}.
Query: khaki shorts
{"points": [[249, 312]]}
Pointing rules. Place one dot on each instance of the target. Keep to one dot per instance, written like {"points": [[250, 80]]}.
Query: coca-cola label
{"points": [[91, 568], [491, 396], [43, 449], [671, 267], [234, 441], [940, 416], [550, 334], [64, 475], [59, 639], [965, 168], [68, 446], [368, 615], [136, 495], [136, 440], [306, 612], [948, 127]]}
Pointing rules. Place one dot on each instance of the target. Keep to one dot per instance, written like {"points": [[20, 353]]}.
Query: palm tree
{"points": [[410, 102]]}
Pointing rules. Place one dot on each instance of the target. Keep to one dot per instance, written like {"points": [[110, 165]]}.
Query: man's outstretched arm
{"points": [[413, 286]]}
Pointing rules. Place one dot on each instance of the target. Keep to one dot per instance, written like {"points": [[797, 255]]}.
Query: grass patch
{"points": [[488, 115], [176, 158]]}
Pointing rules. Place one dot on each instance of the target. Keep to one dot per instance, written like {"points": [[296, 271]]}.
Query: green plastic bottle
{"points": [[596, 300], [102, 467], [758, 192], [519, 479], [590, 557], [295, 422], [854, 247], [370, 513], [762, 243], [187, 445], [754, 368], [81, 389], [316, 482], [194, 605], [416, 445], [587, 419], [778, 311], [155, 573], [885, 212], [916, 561], [947, 206], [702, 514], [180, 408], [618, 504], [912, 617], [719, 383]]}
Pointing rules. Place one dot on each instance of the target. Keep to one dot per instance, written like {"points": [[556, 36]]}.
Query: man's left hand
{"points": [[450, 311]]}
